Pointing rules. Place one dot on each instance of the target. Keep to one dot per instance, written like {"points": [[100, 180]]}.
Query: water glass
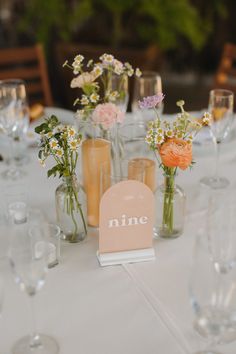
{"points": [[28, 256], [14, 119], [119, 83], [148, 84]]}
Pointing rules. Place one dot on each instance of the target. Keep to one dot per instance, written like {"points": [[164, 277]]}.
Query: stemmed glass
{"points": [[148, 84], [221, 107], [221, 226], [28, 255], [213, 298], [119, 83], [14, 117]]}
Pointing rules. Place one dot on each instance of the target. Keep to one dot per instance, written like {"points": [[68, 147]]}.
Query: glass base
{"points": [[12, 175], [47, 345], [73, 238], [161, 233], [215, 183]]}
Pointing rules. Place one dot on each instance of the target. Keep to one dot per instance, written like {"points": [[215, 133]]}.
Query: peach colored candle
{"points": [[94, 153], [144, 167]]}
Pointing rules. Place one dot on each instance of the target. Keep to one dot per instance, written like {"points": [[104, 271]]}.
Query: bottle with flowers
{"points": [[171, 142], [62, 142]]}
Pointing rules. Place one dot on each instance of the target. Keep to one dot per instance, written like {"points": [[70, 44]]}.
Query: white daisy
{"points": [[94, 97]]}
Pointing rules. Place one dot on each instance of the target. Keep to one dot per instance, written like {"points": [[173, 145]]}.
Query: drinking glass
{"points": [[28, 255], [221, 108], [148, 84], [14, 118], [213, 298], [221, 226], [119, 83]]}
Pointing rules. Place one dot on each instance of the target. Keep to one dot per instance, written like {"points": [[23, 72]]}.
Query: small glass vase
{"points": [[71, 209], [170, 209]]}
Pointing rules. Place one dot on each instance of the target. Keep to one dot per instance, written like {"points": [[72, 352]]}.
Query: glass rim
{"points": [[149, 75], [222, 92], [97, 147]]}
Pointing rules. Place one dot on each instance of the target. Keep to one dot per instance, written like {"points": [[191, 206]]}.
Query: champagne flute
{"points": [[119, 83], [221, 108], [14, 118], [213, 298], [28, 255], [148, 84]]}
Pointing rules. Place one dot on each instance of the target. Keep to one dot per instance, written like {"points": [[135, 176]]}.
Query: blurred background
{"points": [[183, 40]]}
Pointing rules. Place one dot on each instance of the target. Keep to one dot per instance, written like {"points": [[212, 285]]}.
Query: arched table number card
{"points": [[126, 224]]}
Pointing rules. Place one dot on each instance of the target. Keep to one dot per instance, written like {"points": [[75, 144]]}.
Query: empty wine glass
{"points": [[221, 108], [14, 118], [28, 255], [221, 226], [148, 84], [119, 83], [213, 298]]}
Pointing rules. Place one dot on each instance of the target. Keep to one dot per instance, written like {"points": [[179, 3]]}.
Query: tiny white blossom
{"points": [[169, 133], [113, 95], [94, 97], [84, 100], [73, 144], [159, 139], [53, 144], [42, 162], [59, 152], [71, 132], [97, 71], [138, 72]]}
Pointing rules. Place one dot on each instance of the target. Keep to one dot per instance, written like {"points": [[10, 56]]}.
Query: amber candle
{"points": [[141, 168], [95, 152]]}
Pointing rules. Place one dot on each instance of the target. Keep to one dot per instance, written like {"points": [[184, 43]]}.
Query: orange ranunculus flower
{"points": [[176, 153]]}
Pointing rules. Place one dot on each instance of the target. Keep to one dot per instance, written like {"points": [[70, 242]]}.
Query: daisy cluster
{"points": [[61, 142], [183, 127], [94, 79]]}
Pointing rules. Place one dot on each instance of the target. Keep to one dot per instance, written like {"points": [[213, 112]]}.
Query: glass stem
{"points": [[217, 145], [34, 337]]}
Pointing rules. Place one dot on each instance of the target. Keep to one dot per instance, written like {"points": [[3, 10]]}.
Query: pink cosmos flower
{"points": [[151, 101], [107, 114]]}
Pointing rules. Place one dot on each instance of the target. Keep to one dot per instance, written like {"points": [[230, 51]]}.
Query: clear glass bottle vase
{"points": [[71, 209], [170, 209]]}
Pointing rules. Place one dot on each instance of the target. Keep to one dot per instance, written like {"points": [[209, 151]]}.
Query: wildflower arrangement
{"points": [[62, 142], [95, 81], [173, 143]]}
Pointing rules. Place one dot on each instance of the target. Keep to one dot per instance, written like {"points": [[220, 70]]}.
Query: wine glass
{"points": [[148, 84], [28, 255], [14, 118], [213, 298], [221, 108], [221, 226], [119, 83]]}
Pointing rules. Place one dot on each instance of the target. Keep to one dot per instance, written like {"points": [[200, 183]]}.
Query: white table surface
{"points": [[132, 309]]}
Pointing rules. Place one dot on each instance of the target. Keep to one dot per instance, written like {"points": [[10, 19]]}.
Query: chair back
{"points": [[28, 64]]}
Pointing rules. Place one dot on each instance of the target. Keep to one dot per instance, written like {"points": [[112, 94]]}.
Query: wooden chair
{"points": [[226, 73], [148, 59], [29, 64]]}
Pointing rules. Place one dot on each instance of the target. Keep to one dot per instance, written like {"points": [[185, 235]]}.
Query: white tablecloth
{"points": [[132, 309]]}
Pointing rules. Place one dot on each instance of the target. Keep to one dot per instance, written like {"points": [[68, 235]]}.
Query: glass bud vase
{"points": [[71, 209], [170, 209]]}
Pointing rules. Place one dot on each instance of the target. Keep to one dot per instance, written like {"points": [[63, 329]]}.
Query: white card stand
{"points": [[123, 237], [115, 258]]}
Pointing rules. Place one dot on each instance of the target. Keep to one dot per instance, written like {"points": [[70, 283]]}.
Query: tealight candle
{"points": [[95, 152], [144, 168]]}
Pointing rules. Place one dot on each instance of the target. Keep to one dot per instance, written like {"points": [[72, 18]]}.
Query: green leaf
{"points": [[53, 171], [41, 127]]}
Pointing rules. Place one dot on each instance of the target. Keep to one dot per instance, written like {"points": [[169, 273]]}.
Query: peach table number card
{"points": [[126, 224]]}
